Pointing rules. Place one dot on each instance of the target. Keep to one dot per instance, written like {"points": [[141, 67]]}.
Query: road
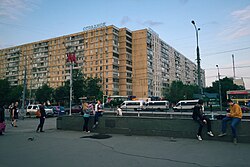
{"points": [[23, 147]]}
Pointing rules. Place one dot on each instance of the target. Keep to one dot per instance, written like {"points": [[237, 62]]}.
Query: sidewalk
{"points": [[22, 146]]}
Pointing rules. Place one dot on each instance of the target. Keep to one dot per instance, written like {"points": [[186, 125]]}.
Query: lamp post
{"points": [[198, 57], [71, 59], [24, 84], [219, 87]]}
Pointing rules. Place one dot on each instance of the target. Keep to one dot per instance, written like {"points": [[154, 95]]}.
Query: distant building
{"points": [[241, 97], [129, 63], [239, 82]]}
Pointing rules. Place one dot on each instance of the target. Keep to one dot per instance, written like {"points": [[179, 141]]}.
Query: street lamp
{"points": [[24, 83], [219, 87], [71, 58], [198, 57]]}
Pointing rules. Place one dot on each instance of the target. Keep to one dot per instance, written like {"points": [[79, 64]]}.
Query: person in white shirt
{"points": [[119, 111]]}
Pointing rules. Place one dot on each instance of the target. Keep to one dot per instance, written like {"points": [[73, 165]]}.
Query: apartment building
{"points": [[127, 62], [156, 65]]}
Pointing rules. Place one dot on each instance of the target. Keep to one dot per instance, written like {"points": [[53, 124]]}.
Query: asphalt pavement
{"points": [[23, 147]]}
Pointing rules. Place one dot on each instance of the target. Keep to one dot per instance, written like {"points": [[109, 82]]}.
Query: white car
{"points": [[32, 109]]}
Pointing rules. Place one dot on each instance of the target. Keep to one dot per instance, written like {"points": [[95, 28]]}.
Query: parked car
{"points": [[245, 109], [58, 110], [49, 112], [33, 108], [76, 109]]}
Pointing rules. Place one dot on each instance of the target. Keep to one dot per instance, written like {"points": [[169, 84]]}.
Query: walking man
{"points": [[42, 118]]}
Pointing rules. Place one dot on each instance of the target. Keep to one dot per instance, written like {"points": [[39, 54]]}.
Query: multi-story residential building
{"points": [[156, 65], [127, 62]]}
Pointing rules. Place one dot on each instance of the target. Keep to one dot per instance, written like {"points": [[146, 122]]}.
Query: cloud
{"points": [[13, 9], [148, 23], [243, 15], [241, 24], [151, 23], [125, 20], [183, 1]]}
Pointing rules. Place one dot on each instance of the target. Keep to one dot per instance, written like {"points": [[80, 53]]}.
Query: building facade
{"points": [[128, 63]]}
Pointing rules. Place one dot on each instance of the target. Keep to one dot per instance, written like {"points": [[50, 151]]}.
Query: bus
{"points": [[242, 97]]}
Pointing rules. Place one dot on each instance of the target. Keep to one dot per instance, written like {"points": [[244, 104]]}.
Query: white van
{"points": [[32, 109], [135, 105], [157, 105], [185, 105]]}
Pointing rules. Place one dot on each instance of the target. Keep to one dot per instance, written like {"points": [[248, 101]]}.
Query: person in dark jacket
{"points": [[14, 114], [201, 119], [2, 119], [42, 118]]}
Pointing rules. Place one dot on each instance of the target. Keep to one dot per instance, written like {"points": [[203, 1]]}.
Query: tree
{"points": [[226, 85], [179, 91], [16, 93], [78, 86], [93, 89], [44, 93], [61, 94], [4, 91]]}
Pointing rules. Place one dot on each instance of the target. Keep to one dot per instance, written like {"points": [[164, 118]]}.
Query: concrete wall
{"points": [[176, 128]]}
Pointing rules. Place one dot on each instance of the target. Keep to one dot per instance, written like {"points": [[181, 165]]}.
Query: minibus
{"points": [[185, 105], [157, 105], [135, 105]]}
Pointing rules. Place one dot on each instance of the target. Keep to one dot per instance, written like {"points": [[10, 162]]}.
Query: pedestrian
{"points": [[10, 110], [42, 118], [200, 117], [234, 116], [14, 114], [98, 112], [2, 120], [86, 116], [118, 111], [84, 107]]}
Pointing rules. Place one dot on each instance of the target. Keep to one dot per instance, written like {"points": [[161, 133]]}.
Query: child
{"points": [[119, 111]]}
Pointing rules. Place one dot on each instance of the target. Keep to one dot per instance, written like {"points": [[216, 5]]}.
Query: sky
{"points": [[224, 26]]}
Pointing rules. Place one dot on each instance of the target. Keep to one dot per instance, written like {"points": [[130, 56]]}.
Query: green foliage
{"points": [[44, 93], [16, 93], [82, 87], [9, 94], [93, 89], [226, 85], [61, 94], [78, 85], [4, 91], [179, 91]]}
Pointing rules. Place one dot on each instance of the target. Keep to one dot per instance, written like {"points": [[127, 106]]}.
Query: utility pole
{"points": [[219, 87], [24, 83], [198, 57], [233, 65]]}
